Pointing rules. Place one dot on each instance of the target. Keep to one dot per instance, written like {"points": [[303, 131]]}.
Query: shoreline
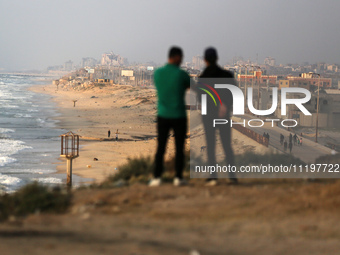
{"points": [[93, 131]]}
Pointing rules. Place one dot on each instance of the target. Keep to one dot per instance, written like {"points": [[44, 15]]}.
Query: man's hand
{"points": [[222, 111]]}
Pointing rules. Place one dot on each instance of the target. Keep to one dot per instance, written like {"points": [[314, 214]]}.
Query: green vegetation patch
{"points": [[34, 198]]}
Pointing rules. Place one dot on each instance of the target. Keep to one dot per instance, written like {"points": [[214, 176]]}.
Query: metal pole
{"points": [[245, 87], [252, 83], [69, 172], [62, 145], [258, 92], [317, 112]]}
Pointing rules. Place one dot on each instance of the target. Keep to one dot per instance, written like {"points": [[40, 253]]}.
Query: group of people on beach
{"points": [[291, 139], [171, 83]]}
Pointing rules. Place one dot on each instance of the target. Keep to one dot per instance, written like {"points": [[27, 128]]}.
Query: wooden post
{"points": [[69, 172], [70, 151]]}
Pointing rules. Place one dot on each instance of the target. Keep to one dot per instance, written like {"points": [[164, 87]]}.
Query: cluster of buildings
{"points": [[321, 79], [107, 59], [111, 59], [324, 87], [87, 77], [89, 62]]}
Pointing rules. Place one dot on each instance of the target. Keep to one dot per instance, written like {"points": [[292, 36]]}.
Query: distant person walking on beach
{"points": [[171, 83], [117, 135], [223, 111], [295, 139], [290, 146], [109, 133], [285, 145], [300, 141]]}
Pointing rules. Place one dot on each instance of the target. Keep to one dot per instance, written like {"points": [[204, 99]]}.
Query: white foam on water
{"points": [[32, 110], [6, 130], [9, 147], [29, 171], [9, 106], [6, 160], [20, 105], [9, 180], [48, 180], [22, 115], [5, 94], [40, 120]]}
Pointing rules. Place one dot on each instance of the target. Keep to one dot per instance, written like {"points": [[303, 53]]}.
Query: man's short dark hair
{"points": [[210, 55], [175, 51]]}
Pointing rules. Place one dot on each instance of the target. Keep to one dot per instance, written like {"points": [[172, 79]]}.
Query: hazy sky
{"points": [[39, 33]]}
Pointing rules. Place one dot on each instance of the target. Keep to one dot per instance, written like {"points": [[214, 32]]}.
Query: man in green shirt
{"points": [[171, 83]]}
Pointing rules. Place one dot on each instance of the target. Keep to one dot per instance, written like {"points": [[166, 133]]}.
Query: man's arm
{"points": [[227, 99], [186, 79]]}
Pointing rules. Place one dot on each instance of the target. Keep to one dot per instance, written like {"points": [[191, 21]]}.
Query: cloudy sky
{"points": [[40, 33]]}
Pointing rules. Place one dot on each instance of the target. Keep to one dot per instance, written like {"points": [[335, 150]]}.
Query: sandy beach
{"points": [[131, 111]]}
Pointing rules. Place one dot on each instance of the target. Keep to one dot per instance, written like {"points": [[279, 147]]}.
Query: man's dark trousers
{"points": [[164, 125]]}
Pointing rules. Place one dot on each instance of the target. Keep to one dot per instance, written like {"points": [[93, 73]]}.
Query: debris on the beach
{"points": [[95, 159], [88, 166]]}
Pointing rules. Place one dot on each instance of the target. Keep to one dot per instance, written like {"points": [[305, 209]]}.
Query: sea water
{"points": [[29, 137]]}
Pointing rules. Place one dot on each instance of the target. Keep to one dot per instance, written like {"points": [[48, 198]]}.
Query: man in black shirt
{"points": [[222, 111]]}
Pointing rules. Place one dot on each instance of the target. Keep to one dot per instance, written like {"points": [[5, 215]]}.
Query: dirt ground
{"points": [[255, 217]]}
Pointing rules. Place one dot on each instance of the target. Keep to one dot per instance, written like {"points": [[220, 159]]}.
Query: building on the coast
{"points": [[89, 62], [308, 81], [103, 81], [127, 73], [270, 61], [68, 65], [111, 59], [258, 78], [333, 68], [197, 62]]}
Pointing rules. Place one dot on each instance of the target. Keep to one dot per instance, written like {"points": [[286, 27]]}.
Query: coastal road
{"points": [[308, 152]]}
